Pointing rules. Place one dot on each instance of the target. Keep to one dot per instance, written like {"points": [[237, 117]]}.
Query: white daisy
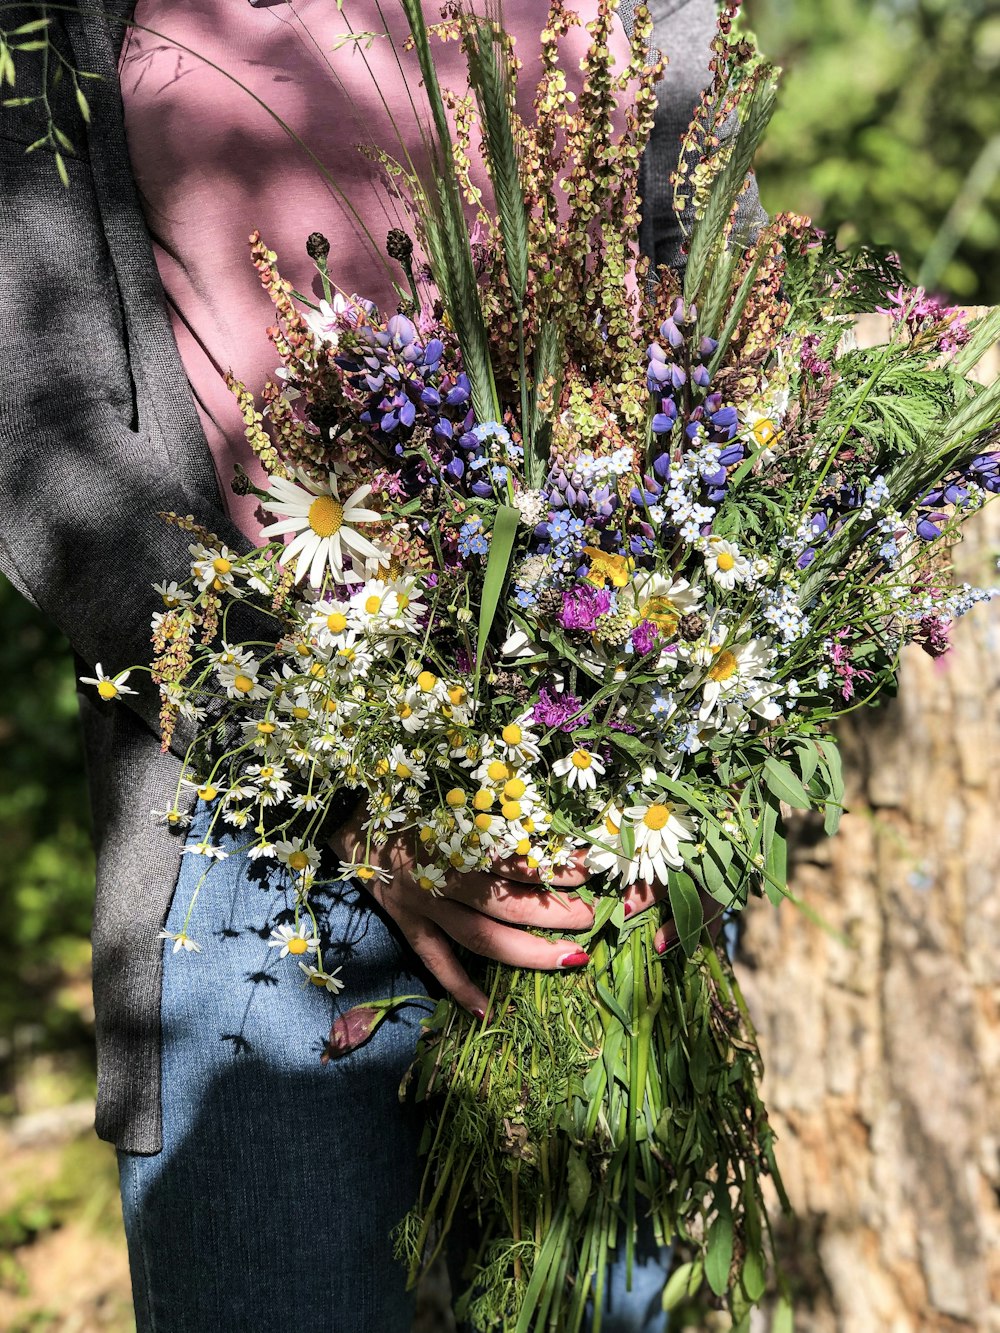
{"points": [[726, 564], [580, 769], [328, 980], [239, 681], [293, 939], [172, 818], [212, 567], [172, 594], [740, 668], [181, 941], [362, 870], [109, 687], [297, 855], [660, 828], [431, 879], [204, 848], [659, 598], [323, 523]]}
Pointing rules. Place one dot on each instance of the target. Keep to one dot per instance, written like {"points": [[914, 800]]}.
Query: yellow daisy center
{"points": [[298, 860], [725, 665], [725, 561], [426, 834], [511, 734], [402, 771], [483, 822], [514, 789], [208, 792], [455, 798], [326, 515], [511, 809], [426, 883], [266, 728], [610, 826], [457, 695], [373, 604], [107, 689], [221, 565], [581, 759], [523, 847], [297, 945], [656, 816], [364, 872], [266, 772], [336, 622], [402, 601], [243, 684], [483, 799], [404, 711], [497, 771], [317, 978], [300, 712], [426, 681]]}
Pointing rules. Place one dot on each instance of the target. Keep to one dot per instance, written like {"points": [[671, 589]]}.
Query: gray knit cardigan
{"points": [[98, 434]]}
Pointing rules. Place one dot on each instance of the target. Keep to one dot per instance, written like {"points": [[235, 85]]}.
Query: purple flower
{"points": [[644, 637], [556, 710], [582, 605], [352, 1030]]}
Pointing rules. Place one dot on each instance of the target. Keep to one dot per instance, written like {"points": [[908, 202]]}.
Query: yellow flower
{"points": [[606, 567]]}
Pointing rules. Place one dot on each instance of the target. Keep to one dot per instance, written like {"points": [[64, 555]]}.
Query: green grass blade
{"points": [[501, 546]]}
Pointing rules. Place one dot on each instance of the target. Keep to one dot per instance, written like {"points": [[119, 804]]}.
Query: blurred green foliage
{"points": [[46, 864], [888, 130]]}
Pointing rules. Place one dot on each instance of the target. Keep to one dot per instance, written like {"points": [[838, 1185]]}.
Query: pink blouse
{"points": [[212, 165]]}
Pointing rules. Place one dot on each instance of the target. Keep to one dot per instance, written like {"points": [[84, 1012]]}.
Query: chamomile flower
{"points": [[368, 874], [205, 848], [109, 687], [173, 818], [329, 981], [172, 594], [660, 827], [518, 742], [741, 668], [181, 941], [297, 855], [240, 681], [432, 879], [213, 567], [580, 769], [324, 524], [726, 564], [293, 939]]}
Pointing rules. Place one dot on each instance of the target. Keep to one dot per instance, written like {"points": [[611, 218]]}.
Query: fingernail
{"points": [[629, 909], [480, 1014], [575, 959], [661, 947]]}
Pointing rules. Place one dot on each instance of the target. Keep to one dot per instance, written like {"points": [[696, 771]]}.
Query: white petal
{"points": [[318, 563], [305, 539], [285, 525], [303, 563], [360, 545], [357, 496], [361, 515]]}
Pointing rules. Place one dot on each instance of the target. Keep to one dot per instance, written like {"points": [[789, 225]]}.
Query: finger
{"points": [[643, 895], [520, 904], [506, 944], [434, 950], [569, 876]]}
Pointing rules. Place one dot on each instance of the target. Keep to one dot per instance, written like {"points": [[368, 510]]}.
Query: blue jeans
{"points": [[272, 1203]]}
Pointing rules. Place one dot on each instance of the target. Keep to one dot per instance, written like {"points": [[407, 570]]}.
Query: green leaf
{"points": [[626, 835], [985, 332], [782, 782], [578, 1184], [753, 1276], [501, 545], [776, 863], [719, 1253], [685, 906], [683, 1284], [808, 760], [611, 1004]]}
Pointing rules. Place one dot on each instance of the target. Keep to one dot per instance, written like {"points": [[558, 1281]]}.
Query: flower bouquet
{"points": [[574, 561]]}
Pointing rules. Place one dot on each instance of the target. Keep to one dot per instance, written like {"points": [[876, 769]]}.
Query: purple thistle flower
{"points": [[582, 606], [556, 710], [644, 637]]}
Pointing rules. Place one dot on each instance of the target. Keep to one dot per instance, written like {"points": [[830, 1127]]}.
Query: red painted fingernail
{"points": [[480, 1014], [661, 947], [575, 959], [629, 909]]}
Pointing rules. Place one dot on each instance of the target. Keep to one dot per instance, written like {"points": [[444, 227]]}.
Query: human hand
{"points": [[643, 895], [480, 910]]}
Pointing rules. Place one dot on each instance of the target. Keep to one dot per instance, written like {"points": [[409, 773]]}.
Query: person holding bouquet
{"points": [[260, 1187]]}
